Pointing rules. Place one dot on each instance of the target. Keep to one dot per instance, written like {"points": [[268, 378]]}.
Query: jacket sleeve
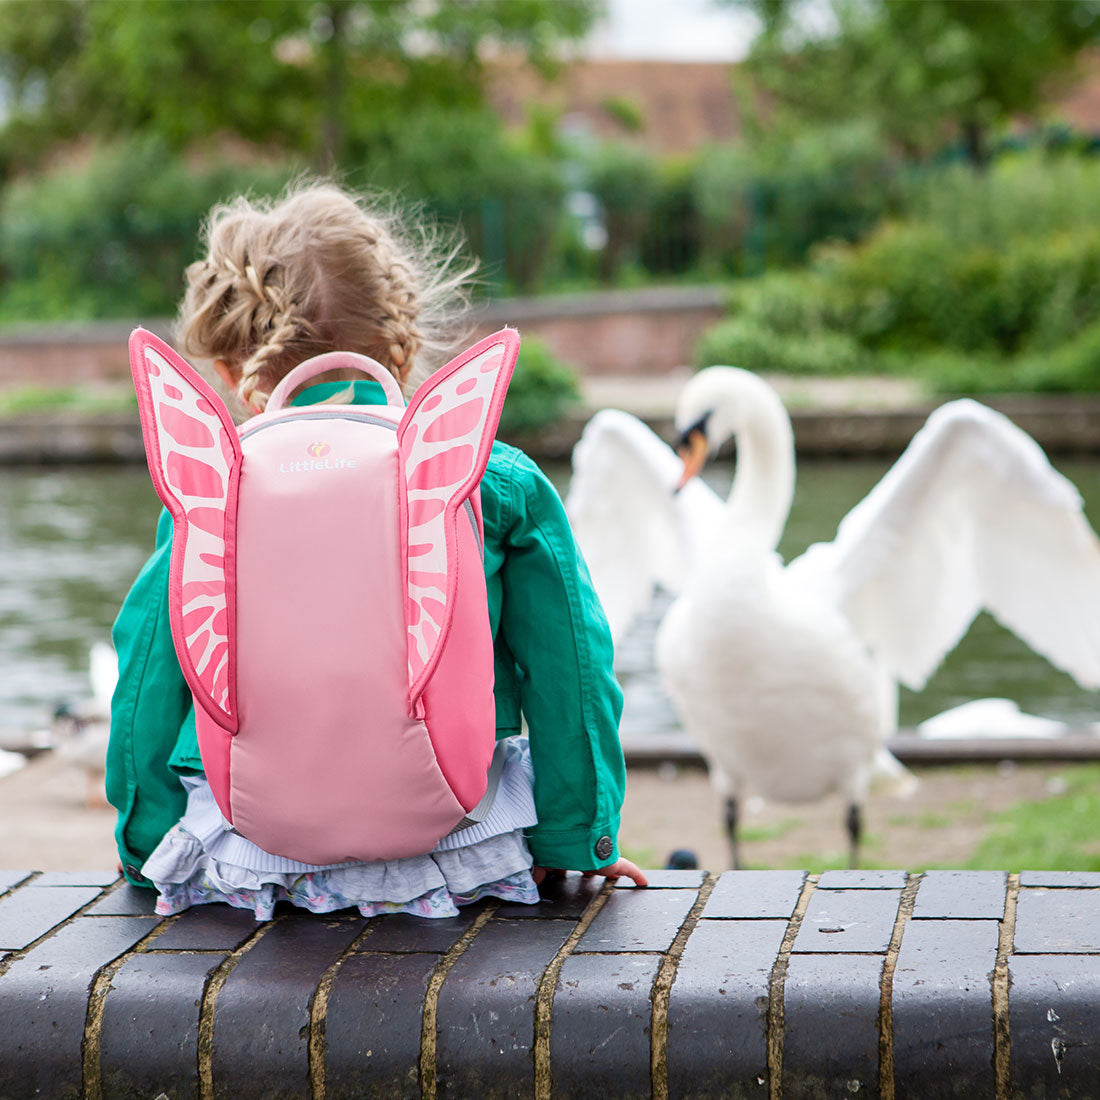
{"points": [[150, 706], [553, 625]]}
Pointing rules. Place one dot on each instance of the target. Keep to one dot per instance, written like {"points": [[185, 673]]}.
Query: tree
{"points": [[924, 71], [328, 78]]}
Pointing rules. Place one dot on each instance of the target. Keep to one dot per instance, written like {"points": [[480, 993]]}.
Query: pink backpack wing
{"points": [[194, 457], [443, 441]]}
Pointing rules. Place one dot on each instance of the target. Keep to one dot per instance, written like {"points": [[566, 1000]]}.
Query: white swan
{"points": [[786, 676], [11, 762], [82, 729], [997, 718]]}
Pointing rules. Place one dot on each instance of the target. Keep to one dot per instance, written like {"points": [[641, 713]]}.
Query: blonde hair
{"points": [[321, 270]]}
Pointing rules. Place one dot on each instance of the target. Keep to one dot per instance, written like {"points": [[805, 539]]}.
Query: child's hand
{"points": [[621, 867]]}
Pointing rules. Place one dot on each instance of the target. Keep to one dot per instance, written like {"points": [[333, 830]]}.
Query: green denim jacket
{"points": [[553, 666]]}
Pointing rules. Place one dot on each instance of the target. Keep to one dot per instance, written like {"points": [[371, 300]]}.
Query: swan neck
{"points": [[763, 485]]}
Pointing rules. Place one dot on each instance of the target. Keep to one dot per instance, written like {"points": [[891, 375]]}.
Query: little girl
{"points": [[280, 283]]}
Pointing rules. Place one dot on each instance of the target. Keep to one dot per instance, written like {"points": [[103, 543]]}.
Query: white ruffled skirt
{"points": [[202, 860]]}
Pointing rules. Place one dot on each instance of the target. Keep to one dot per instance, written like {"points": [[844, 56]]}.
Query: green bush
{"points": [[790, 321], [671, 240], [113, 236], [742, 342], [796, 302], [20, 400], [992, 301], [765, 206], [1074, 367], [624, 179], [913, 286], [541, 392], [505, 196], [1020, 195]]}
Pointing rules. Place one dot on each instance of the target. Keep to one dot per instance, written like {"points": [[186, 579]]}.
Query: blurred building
{"points": [[1079, 108], [669, 106]]}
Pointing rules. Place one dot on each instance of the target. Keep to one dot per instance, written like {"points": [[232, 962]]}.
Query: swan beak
{"points": [[693, 451]]}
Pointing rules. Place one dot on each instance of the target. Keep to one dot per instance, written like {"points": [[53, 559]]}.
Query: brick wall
{"points": [[645, 332], [750, 983]]}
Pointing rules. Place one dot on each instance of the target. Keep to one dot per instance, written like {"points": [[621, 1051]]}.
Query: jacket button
{"points": [[133, 871], [604, 847]]}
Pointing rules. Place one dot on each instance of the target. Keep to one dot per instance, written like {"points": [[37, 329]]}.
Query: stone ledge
{"points": [[670, 743], [752, 983], [1069, 425]]}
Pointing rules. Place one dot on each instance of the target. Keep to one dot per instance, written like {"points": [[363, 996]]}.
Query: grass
{"points": [[779, 829], [1060, 833], [19, 401], [1033, 817], [643, 857]]}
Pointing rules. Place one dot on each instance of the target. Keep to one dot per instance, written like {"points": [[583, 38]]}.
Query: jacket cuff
{"points": [[575, 849], [131, 868]]}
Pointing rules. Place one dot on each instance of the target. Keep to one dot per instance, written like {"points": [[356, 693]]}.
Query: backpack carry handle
{"points": [[335, 360]]}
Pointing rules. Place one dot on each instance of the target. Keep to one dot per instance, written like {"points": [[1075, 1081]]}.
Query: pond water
{"points": [[73, 540]]}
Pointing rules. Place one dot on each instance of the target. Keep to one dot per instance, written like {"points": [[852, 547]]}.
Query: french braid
{"points": [[318, 271]]}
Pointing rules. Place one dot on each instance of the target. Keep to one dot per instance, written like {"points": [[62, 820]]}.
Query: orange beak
{"points": [[693, 451]]}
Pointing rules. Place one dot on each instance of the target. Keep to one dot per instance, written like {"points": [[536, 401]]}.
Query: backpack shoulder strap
{"points": [[194, 457], [443, 442]]}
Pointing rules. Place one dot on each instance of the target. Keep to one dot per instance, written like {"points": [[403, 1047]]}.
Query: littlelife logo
{"points": [[319, 461]]}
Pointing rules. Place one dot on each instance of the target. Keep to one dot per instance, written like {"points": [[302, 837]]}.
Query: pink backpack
{"points": [[327, 599]]}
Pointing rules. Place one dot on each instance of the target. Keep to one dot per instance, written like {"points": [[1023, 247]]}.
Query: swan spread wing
{"points": [[633, 529], [971, 516]]}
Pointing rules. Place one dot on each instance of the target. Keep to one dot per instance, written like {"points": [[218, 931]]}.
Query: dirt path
{"points": [[46, 825], [940, 825]]}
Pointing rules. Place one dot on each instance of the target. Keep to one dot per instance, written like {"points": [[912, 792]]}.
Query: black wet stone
{"points": [[373, 1025], [31, 912], [486, 1013], [59, 937], [964, 895], [44, 1003], [126, 901], [1054, 1010], [638, 920], [848, 920], [401, 932], [150, 1029], [862, 880], [563, 897], [830, 1046], [208, 928], [262, 1017], [718, 1009], [599, 1045], [1058, 921], [943, 1008], [755, 894]]}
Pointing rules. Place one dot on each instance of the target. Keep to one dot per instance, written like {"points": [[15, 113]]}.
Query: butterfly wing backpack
{"points": [[327, 599]]}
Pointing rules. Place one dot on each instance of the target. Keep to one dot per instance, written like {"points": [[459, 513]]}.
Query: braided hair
{"points": [[321, 270]]}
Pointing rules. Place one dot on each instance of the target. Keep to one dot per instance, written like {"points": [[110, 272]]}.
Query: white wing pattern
{"points": [[194, 458], [443, 441]]}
